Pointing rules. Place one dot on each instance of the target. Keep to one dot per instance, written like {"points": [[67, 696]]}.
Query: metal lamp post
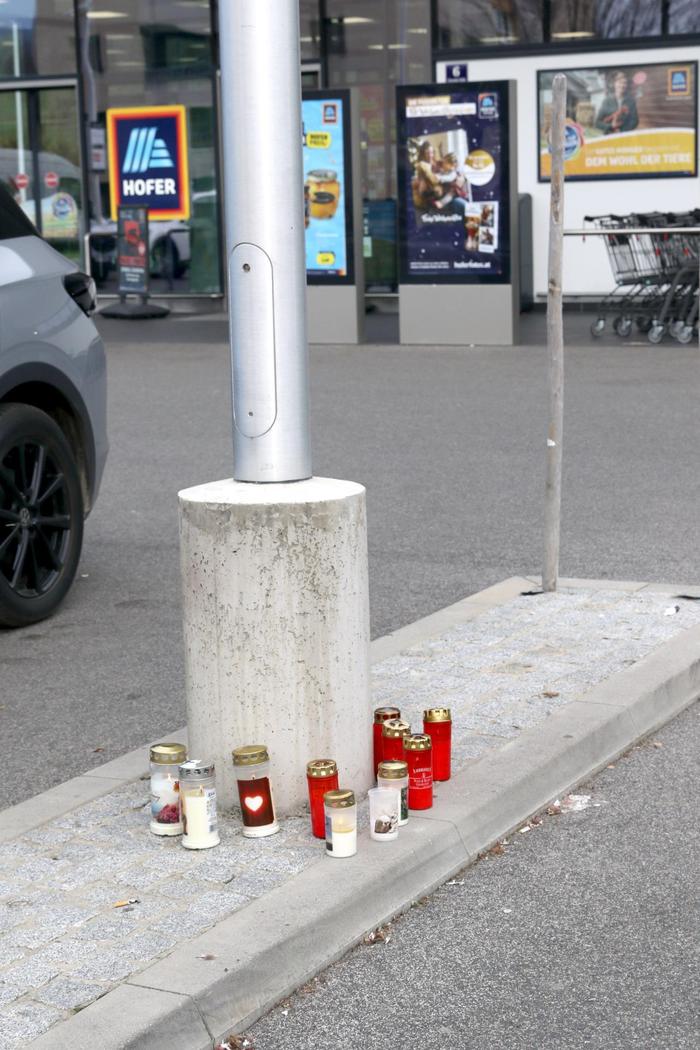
{"points": [[264, 206]]}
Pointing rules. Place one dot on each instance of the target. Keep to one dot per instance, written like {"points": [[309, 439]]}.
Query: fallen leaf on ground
{"points": [[123, 904], [207, 955], [554, 809], [96, 749], [657, 743], [550, 693], [381, 934], [496, 850]]}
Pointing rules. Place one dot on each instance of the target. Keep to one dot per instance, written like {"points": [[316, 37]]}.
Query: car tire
{"points": [[41, 515]]}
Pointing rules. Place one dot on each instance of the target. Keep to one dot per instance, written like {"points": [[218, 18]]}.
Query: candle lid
{"points": [[437, 714], [250, 755], [382, 714], [394, 770], [196, 769], [341, 798], [395, 727], [417, 742], [168, 754], [321, 767]]}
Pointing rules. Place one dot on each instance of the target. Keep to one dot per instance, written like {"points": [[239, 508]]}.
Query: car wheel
{"points": [[41, 515]]}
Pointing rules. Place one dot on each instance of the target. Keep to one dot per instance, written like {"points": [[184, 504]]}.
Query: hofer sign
{"points": [[148, 160]]}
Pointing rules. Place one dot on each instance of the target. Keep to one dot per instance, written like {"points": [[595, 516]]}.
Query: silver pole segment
{"points": [[264, 207]]}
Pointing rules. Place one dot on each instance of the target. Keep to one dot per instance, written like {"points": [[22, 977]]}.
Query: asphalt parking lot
{"points": [[450, 444]]}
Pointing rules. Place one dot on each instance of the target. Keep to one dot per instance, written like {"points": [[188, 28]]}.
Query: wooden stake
{"points": [[555, 342]]}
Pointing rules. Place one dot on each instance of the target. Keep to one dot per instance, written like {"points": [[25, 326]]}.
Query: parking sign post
{"points": [[264, 212]]}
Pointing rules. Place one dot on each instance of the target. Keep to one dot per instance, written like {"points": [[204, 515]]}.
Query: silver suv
{"points": [[53, 441]]}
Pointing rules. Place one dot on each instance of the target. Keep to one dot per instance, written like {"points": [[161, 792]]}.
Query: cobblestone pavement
{"points": [[63, 944]]}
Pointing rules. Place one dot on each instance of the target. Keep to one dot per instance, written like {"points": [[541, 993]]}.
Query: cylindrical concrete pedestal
{"points": [[276, 623]]}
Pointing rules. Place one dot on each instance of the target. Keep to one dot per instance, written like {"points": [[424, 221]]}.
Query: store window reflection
{"points": [[489, 22], [309, 30], [607, 19], [159, 51], [37, 38], [373, 46]]}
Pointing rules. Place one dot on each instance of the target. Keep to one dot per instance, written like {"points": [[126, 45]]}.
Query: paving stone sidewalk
{"points": [[63, 944]]}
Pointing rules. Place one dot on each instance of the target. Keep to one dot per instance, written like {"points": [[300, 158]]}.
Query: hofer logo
{"points": [[148, 162]]}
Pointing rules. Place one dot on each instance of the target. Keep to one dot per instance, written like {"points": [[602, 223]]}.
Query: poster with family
{"points": [[453, 183]]}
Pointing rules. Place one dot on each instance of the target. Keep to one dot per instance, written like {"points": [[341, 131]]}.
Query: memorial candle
{"points": [[381, 715]]}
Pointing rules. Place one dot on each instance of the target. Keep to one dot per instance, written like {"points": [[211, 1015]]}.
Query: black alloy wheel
{"points": [[41, 515]]}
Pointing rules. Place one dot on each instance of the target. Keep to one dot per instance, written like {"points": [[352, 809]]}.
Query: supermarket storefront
{"points": [[65, 63]]}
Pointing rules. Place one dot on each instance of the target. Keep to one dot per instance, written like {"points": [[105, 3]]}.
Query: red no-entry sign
{"points": [[51, 180], [21, 181]]}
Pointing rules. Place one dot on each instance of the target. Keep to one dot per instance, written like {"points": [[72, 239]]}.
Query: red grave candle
{"points": [[381, 715], [321, 776], [393, 733], [418, 754], [437, 723], [252, 766]]}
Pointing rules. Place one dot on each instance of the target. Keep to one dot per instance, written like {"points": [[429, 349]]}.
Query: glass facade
{"points": [[123, 53]]}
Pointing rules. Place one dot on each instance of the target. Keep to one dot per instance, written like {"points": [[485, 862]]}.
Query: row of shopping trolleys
{"points": [[654, 260]]}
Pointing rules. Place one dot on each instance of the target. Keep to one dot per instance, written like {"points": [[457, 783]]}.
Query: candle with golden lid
{"points": [[437, 722], [393, 732], [381, 715], [165, 788], [321, 776], [251, 765], [395, 774], [341, 822], [418, 752]]}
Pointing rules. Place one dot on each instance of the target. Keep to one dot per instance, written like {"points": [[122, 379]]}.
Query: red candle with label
{"points": [[393, 733], [321, 776], [381, 715], [418, 754], [437, 723]]}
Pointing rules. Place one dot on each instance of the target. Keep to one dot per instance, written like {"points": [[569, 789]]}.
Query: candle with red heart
{"points": [[252, 768]]}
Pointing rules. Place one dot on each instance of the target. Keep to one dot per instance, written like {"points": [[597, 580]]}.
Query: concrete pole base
{"points": [[276, 625]]}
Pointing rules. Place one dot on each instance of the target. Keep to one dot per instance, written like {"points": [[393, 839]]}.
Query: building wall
{"points": [[586, 266]]}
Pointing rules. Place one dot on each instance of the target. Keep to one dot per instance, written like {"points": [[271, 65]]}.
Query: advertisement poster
{"points": [[624, 122], [454, 208], [132, 250], [148, 163], [327, 193]]}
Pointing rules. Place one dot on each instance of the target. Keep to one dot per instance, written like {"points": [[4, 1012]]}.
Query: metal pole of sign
{"points": [[264, 207], [555, 342]]}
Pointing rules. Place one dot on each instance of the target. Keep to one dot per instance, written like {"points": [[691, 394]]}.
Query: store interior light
{"points": [[106, 14], [573, 34], [498, 39], [355, 20], [398, 47], [375, 47], [419, 30]]}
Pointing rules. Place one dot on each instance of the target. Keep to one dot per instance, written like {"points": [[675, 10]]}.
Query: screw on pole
{"points": [[555, 342]]}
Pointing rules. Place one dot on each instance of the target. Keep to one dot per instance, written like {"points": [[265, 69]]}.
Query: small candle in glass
{"points": [[252, 769], [437, 723], [341, 823], [419, 756], [395, 775], [393, 733], [165, 788], [321, 776], [384, 806], [200, 828], [381, 715]]}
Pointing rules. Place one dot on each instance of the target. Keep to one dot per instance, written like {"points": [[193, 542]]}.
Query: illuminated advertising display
{"points": [[327, 187], [148, 160], [453, 183], [624, 122]]}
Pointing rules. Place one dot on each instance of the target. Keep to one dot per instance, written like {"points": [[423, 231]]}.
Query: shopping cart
{"points": [[656, 274]]}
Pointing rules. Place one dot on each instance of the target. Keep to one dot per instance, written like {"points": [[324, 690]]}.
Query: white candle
{"points": [[343, 838], [199, 818]]}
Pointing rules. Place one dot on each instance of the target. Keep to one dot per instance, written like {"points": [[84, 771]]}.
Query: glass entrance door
{"points": [[40, 161]]}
